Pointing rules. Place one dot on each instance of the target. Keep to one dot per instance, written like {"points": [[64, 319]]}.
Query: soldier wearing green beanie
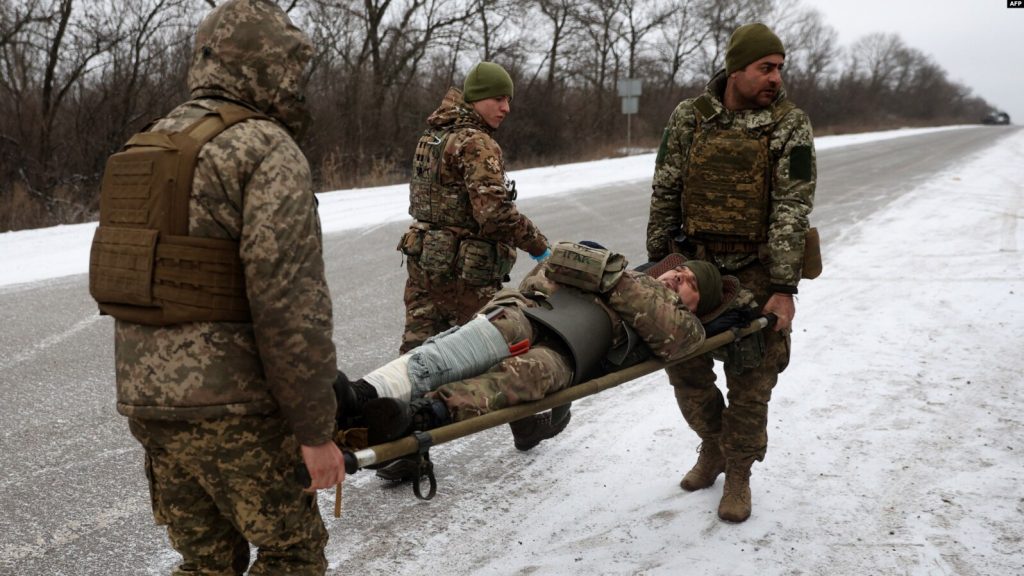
{"points": [[466, 226], [734, 184], [709, 285], [486, 80], [748, 43]]}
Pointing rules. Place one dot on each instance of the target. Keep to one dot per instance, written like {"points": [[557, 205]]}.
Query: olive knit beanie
{"points": [[750, 43], [486, 80], [709, 285]]}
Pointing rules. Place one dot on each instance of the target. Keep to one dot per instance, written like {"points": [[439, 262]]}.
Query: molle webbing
{"points": [[728, 182], [143, 266], [430, 199]]}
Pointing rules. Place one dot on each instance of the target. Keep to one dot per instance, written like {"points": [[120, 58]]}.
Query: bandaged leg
{"points": [[392, 379], [456, 354]]}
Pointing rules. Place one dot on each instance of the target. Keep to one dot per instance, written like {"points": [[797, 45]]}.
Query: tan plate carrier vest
{"points": [[144, 267], [728, 181]]}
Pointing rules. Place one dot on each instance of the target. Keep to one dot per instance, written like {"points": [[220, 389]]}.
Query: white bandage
{"points": [[392, 379]]}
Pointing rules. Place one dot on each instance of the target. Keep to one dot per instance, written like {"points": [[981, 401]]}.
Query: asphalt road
{"points": [[73, 493]]}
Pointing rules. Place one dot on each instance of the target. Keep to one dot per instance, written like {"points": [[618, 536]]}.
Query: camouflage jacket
{"points": [[656, 313], [791, 194], [472, 160], [251, 184]]}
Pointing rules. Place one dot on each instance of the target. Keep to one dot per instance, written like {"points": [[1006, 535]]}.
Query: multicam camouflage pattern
{"points": [[472, 179], [656, 314], [793, 179], [221, 484], [252, 184], [472, 166], [743, 424], [434, 304]]}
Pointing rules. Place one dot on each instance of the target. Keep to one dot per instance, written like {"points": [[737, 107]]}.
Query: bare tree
{"points": [[559, 16]]}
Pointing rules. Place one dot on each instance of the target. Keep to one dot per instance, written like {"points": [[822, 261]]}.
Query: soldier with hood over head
{"points": [[209, 256], [466, 228]]}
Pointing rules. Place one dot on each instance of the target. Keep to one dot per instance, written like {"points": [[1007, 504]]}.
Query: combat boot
{"points": [[530, 431], [351, 397], [735, 505], [390, 418], [710, 463]]}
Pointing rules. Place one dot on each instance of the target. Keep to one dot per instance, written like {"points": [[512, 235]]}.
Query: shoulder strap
{"points": [[188, 142]]}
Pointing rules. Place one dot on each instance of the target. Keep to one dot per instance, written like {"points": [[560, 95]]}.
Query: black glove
{"points": [[735, 318]]}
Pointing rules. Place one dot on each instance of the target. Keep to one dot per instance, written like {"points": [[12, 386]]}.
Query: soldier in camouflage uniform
{"points": [[535, 356], [734, 184], [226, 410], [462, 244]]}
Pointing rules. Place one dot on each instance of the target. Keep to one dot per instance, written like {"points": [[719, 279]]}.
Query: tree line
{"points": [[78, 77]]}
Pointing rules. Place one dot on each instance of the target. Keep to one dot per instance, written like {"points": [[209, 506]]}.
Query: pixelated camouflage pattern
{"points": [[656, 314], [743, 423], [221, 485], [472, 167], [251, 184], [249, 51], [791, 196]]}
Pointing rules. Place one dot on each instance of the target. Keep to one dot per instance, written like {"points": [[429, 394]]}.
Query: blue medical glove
{"points": [[542, 257]]}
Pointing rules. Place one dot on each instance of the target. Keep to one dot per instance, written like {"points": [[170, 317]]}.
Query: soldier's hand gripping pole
{"points": [[412, 444]]}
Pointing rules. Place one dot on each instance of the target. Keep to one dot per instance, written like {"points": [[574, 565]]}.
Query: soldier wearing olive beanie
{"points": [[709, 285], [749, 43], [486, 80], [467, 227], [734, 185]]}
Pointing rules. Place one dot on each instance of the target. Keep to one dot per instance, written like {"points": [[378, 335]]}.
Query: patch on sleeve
{"points": [[800, 163], [661, 149]]}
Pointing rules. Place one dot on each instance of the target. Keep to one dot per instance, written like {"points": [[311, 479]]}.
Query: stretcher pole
{"points": [[422, 440]]}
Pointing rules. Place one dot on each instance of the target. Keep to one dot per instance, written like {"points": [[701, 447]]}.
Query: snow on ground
{"points": [[30, 255], [897, 444]]}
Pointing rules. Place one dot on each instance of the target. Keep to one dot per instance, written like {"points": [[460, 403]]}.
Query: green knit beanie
{"points": [[486, 80], [709, 285], [750, 43]]}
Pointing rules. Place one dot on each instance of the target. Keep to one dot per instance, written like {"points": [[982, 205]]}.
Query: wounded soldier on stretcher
{"points": [[578, 315]]}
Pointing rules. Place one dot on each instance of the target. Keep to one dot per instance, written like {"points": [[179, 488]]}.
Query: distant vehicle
{"points": [[996, 117]]}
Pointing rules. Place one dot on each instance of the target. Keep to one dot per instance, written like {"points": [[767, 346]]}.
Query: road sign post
{"points": [[629, 91]]}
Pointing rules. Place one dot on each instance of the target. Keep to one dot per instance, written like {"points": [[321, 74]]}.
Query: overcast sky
{"points": [[979, 43]]}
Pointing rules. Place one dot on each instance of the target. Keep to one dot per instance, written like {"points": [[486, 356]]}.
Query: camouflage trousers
{"points": [[435, 303], [743, 422], [221, 485], [545, 368]]}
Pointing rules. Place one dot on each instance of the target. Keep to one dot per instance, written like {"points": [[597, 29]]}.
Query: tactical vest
{"points": [[728, 181], [430, 200], [143, 266]]}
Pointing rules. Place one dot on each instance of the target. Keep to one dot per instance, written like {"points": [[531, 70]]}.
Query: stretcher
{"points": [[421, 442]]}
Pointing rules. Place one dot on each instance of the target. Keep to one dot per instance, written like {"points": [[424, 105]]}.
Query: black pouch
{"points": [[741, 355]]}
